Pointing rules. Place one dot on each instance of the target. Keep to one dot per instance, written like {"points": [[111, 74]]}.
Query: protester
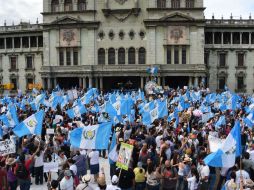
{"points": [[67, 182], [178, 139]]}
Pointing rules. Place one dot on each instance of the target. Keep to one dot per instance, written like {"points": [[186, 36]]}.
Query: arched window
{"points": [[131, 55], [81, 5], [101, 56], [67, 5], [189, 3], [111, 56], [175, 4], [121, 56], [161, 3], [142, 56], [54, 6]]}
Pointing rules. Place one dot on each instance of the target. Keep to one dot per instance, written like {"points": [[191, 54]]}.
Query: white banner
{"points": [[50, 132], [215, 143], [50, 167], [7, 147]]}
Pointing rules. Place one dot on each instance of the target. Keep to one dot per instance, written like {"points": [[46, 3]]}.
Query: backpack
{"points": [[21, 172]]}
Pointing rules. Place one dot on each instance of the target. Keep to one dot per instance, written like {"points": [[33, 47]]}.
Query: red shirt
{"points": [[27, 165], [3, 177]]}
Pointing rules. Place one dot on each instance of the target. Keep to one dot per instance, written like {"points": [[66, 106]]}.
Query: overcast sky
{"points": [[15, 10]]}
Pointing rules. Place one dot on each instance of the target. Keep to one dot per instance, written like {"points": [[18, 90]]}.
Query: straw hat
{"points": [[86, 178]]}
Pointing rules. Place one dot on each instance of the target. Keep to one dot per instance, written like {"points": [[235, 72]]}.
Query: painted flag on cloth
{"points": [[221, 121], [231, 148], [31, 125], [10, 119], [249, 120], [91, 137], [77, 111]]}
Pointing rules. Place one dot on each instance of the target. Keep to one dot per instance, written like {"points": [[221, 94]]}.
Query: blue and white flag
{"points": [[147, 107], [112, 154], [10, 119], [221, 121], [31, 125], [149, 117], [230, 149], [91, 137], [249, 120], [35, 104], [152, 70], [77, 111]]}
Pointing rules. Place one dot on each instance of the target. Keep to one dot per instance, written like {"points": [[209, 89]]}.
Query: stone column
{"points": [[5, 44], [49, 83], [141, 82], [222, 37], [190, 82], [231, 38], [101, 83], [29, 41], [180, 55], [172, 55], [37, 42], [159, 81], [106, 56], [80, 82], [136, 56], [249, 38], [213, 37], [241, 37], [96, 82], [196, 81], [90, 82], [21, 44], [126, 56], [116, 56], [204, 81], [12, 41]]}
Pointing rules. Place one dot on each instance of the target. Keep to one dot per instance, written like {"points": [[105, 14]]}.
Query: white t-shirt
{"points": [[204, 171], [66, 184], [39, 160], [112, 187], [192, 183], [94, 157], [74, 169]]}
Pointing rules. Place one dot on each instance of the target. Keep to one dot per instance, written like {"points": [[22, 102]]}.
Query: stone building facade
{"points": [[111, 43]]}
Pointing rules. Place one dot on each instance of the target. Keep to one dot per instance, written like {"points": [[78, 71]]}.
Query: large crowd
{"points": [[167, 154]]}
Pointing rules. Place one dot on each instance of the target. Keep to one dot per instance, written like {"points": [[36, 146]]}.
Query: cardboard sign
{"points": [[7, 147], [124, 156], [50, 132], [50, 167]]}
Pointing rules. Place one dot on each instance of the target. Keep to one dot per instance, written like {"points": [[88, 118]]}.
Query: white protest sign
{"points": [[50, 131], [7, 147], [57, 119], [215, 143], [75, 93], [50, 167]]}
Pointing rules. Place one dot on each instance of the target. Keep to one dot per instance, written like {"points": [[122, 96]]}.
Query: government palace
{"points": [[110, 44]]}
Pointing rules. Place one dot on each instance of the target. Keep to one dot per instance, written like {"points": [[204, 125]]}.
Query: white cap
{"points": [[114, 179]]}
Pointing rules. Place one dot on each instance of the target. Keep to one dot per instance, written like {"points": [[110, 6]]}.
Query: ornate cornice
{"points": [[126, 12]]}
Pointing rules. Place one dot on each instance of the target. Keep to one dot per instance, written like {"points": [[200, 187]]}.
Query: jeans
{"points": [[24, 184], [38, 172], [180, 183], [13, 185], [212, 181], [150, 187], [140, 185]]}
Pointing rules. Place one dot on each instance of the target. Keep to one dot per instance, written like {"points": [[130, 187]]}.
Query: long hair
{"points": [[150, 168]]}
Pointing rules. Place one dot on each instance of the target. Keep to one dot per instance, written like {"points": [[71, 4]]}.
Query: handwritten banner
{"points": [[7, 147]]}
